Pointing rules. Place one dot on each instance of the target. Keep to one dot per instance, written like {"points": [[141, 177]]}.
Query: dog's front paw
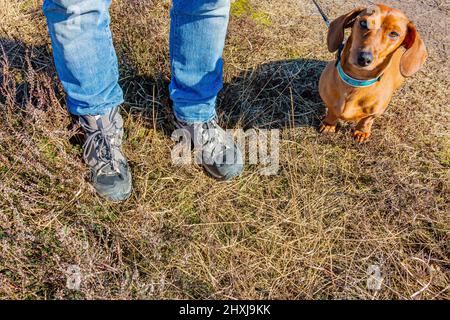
{"points": [[361, 136], [327, 128]]}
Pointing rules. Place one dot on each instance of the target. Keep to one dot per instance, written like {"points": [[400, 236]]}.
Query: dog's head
{"points": [[377, 32]]}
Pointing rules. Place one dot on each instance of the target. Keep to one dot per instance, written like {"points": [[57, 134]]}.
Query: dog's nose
{"points": [[365, 59]]}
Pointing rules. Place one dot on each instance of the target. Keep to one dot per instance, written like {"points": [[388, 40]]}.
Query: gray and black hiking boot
{"points": [[215, 148], [110, 173]]}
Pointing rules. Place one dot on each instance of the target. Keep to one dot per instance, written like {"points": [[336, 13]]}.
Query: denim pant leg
{"points": [[84, 54], [197, 37]]}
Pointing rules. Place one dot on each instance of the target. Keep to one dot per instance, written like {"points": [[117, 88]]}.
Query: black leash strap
{"points": [[322, 13], [339, 54]]}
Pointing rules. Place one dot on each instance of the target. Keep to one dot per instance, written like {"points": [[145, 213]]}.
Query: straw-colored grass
{"points": [[311, 232]]}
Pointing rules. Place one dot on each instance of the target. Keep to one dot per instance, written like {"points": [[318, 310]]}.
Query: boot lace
{"points": [[100, 140]]}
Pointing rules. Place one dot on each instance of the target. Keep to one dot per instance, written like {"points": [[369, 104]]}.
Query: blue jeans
{"points": [[87, 64]]}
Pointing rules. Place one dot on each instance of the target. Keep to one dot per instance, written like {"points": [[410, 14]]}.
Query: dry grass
{"points": [[311, 232]]}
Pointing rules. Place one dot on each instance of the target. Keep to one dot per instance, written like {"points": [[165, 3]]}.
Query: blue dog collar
{"points": [[349, 80], [354, 82]]}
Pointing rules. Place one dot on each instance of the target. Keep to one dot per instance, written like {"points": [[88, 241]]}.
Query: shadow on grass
{"points": [[32, 82], [275, 95], [20, 59]]}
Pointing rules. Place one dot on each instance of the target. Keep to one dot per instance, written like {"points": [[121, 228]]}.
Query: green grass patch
{"points": [[243, 8], [48, 150], [444, 155]]}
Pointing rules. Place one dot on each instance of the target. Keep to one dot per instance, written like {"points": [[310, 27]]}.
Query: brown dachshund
{"points": [[383, 49]]}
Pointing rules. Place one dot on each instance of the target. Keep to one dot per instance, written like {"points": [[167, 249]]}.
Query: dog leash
{"points": [[322, 13], [328, 23], [345, 77]]}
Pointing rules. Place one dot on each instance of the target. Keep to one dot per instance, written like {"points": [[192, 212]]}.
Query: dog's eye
{"points": [[363, 24], [394, 35]]}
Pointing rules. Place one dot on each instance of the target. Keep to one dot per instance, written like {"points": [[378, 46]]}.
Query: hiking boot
{"points": [[110, 173], [215, 148]]}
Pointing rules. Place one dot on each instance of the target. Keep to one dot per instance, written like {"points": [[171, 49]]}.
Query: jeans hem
{"points": [[194, 119], [93, 111]]}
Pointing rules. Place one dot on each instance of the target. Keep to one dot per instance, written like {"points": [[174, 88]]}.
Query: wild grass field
{"points": [[313, 231]]}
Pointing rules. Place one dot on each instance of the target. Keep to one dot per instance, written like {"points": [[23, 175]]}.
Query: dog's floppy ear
{"points": [[415, 54], [337, 27]]}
